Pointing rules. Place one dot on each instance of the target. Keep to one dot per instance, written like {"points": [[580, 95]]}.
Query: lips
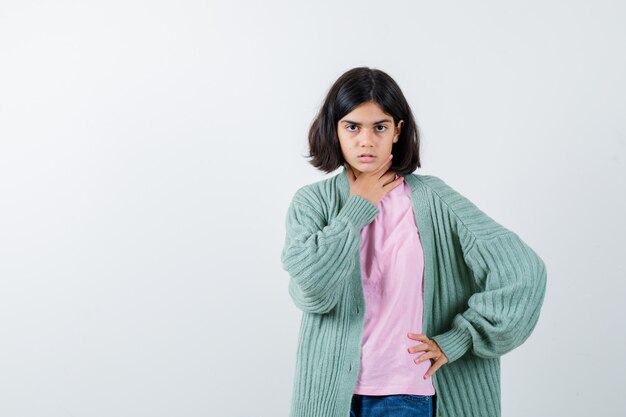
{"points": [[365, 154], [366, 158]]}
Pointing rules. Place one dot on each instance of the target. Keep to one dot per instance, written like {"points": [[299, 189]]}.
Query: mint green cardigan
{"points": [[483, 291]]}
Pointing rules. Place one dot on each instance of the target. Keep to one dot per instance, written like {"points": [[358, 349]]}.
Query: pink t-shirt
{"points": [[392, 265]]}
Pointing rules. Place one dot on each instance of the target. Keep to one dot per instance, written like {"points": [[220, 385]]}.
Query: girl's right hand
{"points": [[373, 185]]}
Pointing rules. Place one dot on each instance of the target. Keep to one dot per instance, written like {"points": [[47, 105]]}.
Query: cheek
{"points": [[343, 148], [344, 144]]}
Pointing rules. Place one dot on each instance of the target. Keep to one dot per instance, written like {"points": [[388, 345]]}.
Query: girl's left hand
{"points": [[432, 351]]}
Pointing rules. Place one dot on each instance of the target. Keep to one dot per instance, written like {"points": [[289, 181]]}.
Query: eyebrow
{"points": [[359, 124]]}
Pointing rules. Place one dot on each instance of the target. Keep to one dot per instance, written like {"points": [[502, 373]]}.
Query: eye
{"points": [[348, 127], [383, 128]]}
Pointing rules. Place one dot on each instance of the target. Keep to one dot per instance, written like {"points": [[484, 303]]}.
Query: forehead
{"points": [[367, 113]]}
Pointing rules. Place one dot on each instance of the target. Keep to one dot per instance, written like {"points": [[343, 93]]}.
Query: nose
{"points": [[367, 138]]}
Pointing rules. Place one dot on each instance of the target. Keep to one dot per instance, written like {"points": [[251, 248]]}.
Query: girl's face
{"points": [[366, 136]]}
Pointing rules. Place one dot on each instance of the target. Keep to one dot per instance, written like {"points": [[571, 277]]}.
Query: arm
{"points": [[510, 276], [501, 316], [319, 256]]}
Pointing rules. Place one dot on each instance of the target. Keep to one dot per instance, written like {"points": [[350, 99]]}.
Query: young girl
{"points": [[409, 292]]}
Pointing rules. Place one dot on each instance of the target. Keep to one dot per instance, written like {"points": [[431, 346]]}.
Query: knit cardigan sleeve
{"points": [[320, 254], [510, 276]]}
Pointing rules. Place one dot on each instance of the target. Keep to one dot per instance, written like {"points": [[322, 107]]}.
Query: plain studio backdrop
{"points": [[149, 151]]}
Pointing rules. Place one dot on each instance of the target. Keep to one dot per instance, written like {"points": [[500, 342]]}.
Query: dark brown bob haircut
{"points": [[353, 88]]}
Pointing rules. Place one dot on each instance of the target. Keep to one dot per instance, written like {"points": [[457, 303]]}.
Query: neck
{"points": [[356, 172]]}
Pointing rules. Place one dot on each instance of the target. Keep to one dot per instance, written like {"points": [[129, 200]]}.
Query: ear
{"points": [[398, 129]]}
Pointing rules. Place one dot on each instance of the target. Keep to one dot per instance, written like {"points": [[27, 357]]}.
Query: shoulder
{"points": [[435, 184], [311, 193], [464, 211], [438, 189], [318, 195]]}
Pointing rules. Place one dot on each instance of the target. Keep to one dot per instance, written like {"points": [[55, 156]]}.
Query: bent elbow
{"points": [[312, 303]]}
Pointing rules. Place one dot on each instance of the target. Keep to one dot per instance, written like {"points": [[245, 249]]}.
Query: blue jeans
{"points": [[397, 405]]}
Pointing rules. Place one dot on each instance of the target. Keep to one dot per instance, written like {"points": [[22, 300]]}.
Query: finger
{"points": [[418, 348], [433, 368], [389, 177], [417, 336], [436, 345], [393, 184], [425, 356]]}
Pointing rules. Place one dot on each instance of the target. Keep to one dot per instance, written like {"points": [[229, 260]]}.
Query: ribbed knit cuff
{"points": [[358, 211], [454, 343]]}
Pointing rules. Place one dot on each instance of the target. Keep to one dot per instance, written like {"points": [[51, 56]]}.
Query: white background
{"points": [[149, 151]]}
